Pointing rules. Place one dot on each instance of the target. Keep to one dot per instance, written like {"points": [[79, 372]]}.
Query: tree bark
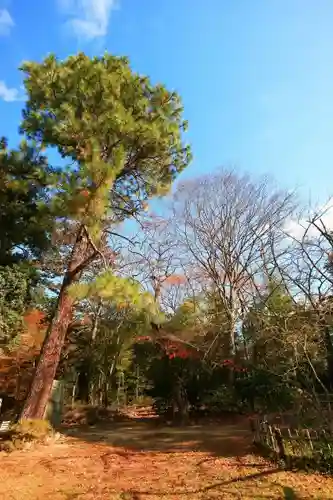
{"points": [[329, 355], [74, 391], [95, 322], [83, 385], [180, 403], [41, 386], [105, 401]]}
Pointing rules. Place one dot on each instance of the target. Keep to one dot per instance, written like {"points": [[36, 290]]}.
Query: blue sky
{"points": [[256, 76]]}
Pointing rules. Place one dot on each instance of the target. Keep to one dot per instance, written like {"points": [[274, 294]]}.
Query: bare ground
{"points": [[143, 461]]}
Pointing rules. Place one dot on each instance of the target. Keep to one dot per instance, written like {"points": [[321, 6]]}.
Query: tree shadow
{"points": [[132, 454], [217, 484], [230, 440], [289, 493]]}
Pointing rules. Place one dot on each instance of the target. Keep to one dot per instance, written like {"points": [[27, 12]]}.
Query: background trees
{"points": [[25, 182], [222, 301], [124, 137], [226, 224]]}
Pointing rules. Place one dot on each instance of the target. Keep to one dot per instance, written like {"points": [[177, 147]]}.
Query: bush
{"points": [[261, 390], [31, 430], [26, 431], [223, 399]]}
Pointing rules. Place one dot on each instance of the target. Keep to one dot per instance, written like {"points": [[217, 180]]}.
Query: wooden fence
{"points": [[295, 446]]}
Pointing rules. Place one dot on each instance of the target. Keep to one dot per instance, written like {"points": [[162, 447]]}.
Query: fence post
{"points": [[291, 441], [307, 432], [326, 439], [253, 430], [280, 445], [272, 440], [264, 433]]}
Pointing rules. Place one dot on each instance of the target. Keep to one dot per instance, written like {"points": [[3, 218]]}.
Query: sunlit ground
{"points": [[140, 461]]}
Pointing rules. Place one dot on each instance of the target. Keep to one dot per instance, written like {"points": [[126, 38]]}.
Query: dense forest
{"points": [[221, 301]]}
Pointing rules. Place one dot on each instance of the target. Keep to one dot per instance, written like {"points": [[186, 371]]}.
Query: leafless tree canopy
{"points": [[225, 225]]}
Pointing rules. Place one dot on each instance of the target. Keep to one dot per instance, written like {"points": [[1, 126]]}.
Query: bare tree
{"points": [[153, 259], [307, 272], [175, 291], [225, 225]]}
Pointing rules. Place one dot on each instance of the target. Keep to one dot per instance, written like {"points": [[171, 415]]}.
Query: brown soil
{"points": [[142, 461]]}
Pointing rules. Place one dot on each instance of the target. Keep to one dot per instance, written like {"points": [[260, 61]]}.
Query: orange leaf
{"points": [[175, 279]]}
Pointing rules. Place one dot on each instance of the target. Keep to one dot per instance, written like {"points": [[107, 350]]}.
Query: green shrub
{"points": [[223, 399], [261, 390], [26, 431], [31, 430]]}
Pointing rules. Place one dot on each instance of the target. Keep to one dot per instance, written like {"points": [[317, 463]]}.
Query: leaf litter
{"points": [[144, 462]]}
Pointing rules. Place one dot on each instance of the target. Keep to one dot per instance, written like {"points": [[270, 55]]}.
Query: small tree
{"points": [[124, 137]]}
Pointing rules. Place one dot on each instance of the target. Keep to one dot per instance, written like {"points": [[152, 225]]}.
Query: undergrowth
{"points": [[24, 432]]}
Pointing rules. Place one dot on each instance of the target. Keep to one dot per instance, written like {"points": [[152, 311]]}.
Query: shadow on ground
{"points": [[150, 460], [289, 493], [218, 440], [220, 484], [229, 440]]}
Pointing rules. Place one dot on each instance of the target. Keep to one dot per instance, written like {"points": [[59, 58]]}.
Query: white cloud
{"points": [[9, 94], [323, 217], [89, 19], [6, 22]]}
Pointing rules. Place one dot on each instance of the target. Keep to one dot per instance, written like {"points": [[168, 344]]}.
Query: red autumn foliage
{"points": [[34, 319], [174, 349], [144, 338], [16, 369], [175, 279], [180, 354], [229, 363]]}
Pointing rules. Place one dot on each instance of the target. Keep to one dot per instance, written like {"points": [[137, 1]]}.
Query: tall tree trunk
{"points": [[95, 322], [231, 347], [105, 393], [329, 354], [41, 387], [180, 403], [83, 384], [74, 390]]}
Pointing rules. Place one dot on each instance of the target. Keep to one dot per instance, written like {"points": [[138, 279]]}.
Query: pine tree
{"points": [[123, 136], [25, 219]]}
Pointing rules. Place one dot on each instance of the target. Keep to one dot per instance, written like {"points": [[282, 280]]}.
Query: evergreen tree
{"points": [[123, 137], [25, 219], [13, 302]]}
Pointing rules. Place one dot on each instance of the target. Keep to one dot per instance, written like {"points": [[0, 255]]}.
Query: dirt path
{"points": [[138, 461]]}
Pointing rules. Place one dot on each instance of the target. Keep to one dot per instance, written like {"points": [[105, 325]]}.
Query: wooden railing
{"points": [[295, 447]]}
